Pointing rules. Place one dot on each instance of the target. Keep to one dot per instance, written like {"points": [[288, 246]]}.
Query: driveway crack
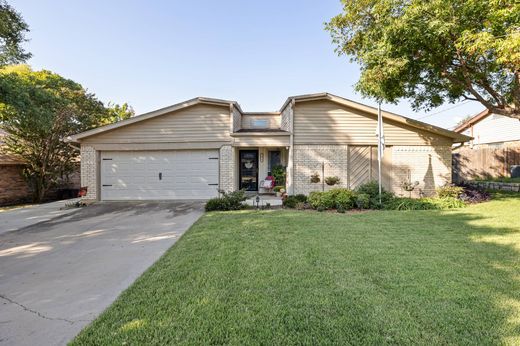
{"points": [[37, 313]]}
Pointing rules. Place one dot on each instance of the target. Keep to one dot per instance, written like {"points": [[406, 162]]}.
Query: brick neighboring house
{"points": [[14, 188], [192, 149]]}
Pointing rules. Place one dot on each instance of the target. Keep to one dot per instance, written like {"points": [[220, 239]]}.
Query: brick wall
{"points": [[227, 168], [89, 161], [308, 160], [13, 187], [430, 166]]}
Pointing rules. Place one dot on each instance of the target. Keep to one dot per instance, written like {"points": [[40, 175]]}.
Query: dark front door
{"points": [[248, 173]]}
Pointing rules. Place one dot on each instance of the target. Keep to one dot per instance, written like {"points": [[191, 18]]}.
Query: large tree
{"points": [[434, 51], [38, 109], [12, 35]]}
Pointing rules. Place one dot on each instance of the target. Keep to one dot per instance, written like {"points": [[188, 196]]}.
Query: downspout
{"points": [[291, 149]]}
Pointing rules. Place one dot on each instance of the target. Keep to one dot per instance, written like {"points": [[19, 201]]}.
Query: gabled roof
{"points": [[472, 121], [457, 137], [153, 114]]}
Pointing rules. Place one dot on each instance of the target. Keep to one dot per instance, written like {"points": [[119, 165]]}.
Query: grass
{"points": [[289, 277]]}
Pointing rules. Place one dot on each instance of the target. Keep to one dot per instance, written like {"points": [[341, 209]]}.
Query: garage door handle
{"points": [[160, 176], [106, 185], [213, 184]]}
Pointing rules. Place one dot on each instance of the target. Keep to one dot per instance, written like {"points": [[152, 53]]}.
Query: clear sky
{"points": [[153, 54]]}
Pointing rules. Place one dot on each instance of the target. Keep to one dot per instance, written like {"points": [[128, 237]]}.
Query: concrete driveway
{"points": [[57, 275]]}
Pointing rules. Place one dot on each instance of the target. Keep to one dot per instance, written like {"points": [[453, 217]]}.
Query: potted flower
{"points": [[315, 178], [331, 181], [279, 190]]}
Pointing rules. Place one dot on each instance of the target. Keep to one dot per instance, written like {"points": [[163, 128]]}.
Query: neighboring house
{"points": [[192, 149], [13, 187], [487, 128], [493, 149]]}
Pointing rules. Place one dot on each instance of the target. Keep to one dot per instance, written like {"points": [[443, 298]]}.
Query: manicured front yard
{"points": [[289, 277]]}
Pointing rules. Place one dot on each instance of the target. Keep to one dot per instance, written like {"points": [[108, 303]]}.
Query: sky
{"points": [[157, 53]]}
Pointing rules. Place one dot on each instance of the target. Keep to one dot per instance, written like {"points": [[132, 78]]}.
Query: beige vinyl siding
{"points": [[258, 141], [198, 123], [326, 122], [273, 121]]}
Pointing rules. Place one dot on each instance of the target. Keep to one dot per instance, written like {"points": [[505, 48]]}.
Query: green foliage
{"points": [[279, 174], [115, 113], [450, 190], [371, 189], [38, 110], [294, 201], [227, 201], [332, 199], [433, 52], [278, 188], [12, 36], [363, 201], [405, 203]]}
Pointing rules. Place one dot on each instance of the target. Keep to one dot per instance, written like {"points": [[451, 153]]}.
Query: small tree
{"points": [[12, 35], [38, 109], [434, 51]]}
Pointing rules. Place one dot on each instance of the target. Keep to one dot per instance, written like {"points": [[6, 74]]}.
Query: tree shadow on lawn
{"points": [[287, 277]]}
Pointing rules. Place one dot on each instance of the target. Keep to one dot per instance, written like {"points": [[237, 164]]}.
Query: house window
{"points": [[260, 123], [275, 159]]}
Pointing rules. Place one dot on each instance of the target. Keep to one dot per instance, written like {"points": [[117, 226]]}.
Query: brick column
{"points": [[89, 171]]}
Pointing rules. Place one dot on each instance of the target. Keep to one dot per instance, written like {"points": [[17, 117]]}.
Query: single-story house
{"points": [[493, 149], [194, 148], [13, 187]]}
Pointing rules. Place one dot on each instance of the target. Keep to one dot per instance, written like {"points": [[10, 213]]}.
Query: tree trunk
{"points": [[39, 189]]}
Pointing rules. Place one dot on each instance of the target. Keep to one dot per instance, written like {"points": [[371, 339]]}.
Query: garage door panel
{"points": [[185, 174]]}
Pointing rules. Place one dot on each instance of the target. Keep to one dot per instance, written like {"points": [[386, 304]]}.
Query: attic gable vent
{"points": [[260, 123]]}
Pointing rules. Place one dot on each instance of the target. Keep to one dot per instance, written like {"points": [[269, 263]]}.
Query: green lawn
{"points": [[290, 277]]}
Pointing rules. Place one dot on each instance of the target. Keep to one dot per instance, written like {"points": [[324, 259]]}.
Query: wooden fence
{"points": [[484, 161]]}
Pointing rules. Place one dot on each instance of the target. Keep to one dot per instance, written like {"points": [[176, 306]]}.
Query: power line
{"points": [[444, 110]]}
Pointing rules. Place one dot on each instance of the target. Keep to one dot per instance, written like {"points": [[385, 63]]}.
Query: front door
{"points": [[248, 173]]}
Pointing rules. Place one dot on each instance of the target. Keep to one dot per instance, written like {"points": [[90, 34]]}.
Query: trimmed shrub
{"points": [[332, 199], [292, 201], [228, 201], [372, 190], [449, 190], [363, 201]]}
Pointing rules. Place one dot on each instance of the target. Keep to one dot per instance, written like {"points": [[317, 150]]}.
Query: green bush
{"points": [[292, 201], [332, 199], [372, 190], [450, 190], [363, 201], [405, 203], [228, 201], [278, 188]]}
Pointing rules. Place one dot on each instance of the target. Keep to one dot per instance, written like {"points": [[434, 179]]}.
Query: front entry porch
{"points": [[256, 164]]}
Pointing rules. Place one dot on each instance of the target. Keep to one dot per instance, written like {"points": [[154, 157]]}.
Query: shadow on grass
{"points": [[289, 277]]}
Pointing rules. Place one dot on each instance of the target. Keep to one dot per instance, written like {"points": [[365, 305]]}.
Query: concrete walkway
{"points": [[58, 275]]}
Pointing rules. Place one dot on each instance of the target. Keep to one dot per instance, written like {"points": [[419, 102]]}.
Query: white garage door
{"points": [[148, 175]]}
